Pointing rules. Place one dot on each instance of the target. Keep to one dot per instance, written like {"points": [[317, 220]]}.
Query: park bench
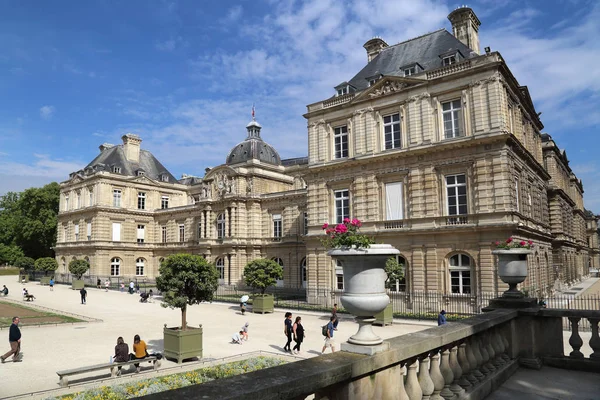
{"points": [[114, 366]]}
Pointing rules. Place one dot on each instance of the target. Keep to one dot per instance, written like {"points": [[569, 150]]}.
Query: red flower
{"points": [[530, 242], [523, 243], [346, 220], [509, 240], [325, 225], [341, 228], [356, 222], [497, 243]]}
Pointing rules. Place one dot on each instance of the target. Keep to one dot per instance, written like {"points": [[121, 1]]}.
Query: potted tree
{"points": [[395, 273], [45, 265], [512, 264], [78, 268], [24, 264], [185, 280], [260, 274]]}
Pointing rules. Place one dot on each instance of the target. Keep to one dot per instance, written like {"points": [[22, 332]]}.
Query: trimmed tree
{"points": [[46, 264], [395, 273], [26, 263], [185, 280], [262, 273], [78, 268]]}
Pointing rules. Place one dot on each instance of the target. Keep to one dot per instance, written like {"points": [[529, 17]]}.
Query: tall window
{"points": [[342, 205], [181, 232], [115, 267], [78, 199], [89, 231], [199, 230], [304, 273], [91, 199], [277, 225], [393, 201], [517, 193], [76, 232], [139, 267], [141, 201], [163, 234], [164, 202], [460, 273], [66, 203], [141, 233], [342, 91], [116, 231], [221, 226], [452, 121], [221, 268], [66, 233], [279, 282], [305, 223], [339, 275], [456, 191], [341, 141], [116, 198], [391, 129]]}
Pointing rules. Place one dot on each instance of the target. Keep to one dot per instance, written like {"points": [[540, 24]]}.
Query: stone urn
{"points": [[512, 269], [364, 287]]}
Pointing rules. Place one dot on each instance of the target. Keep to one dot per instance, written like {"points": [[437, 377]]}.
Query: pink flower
{"points": [[509, 240], [341, 228], [523, 243], [530, 242], [356, 222], [346, 220], [325, 225], [497, 243]]}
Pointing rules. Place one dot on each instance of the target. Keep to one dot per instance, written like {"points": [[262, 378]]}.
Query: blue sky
{"points": [[184, 74]]}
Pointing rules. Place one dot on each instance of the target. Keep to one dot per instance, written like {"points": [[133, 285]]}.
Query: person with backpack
{"points": [[287, 331], [327, 331]]}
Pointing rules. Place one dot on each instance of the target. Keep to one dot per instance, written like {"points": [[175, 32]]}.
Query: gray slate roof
{"points": [[424, 50], [115, 157]]}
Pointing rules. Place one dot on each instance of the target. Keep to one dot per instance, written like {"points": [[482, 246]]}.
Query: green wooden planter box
{"points": [[181, 345], [45, 280], [24, 278], [386, 317], [77, 284], [263, 303]]}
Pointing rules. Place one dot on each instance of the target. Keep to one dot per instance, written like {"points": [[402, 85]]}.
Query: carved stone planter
{"points": [[512, 269], [364, 287]]}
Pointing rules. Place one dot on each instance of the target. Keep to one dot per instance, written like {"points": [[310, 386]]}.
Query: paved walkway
{"points": [[53, 348]]}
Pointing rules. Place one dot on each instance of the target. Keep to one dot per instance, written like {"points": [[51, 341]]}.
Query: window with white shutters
{"points": [[141, 233]]}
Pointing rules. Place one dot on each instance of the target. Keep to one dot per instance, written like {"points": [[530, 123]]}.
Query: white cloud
{"points": [[233, 14], [171, 44], [46, 112]]}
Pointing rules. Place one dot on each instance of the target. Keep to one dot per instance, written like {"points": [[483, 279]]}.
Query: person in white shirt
{"points": [[237, 338]]}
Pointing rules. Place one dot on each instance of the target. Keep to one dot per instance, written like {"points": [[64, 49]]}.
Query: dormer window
{"points": [[117, 170], [342, 91], [164, 178], [410, 71], [373, 79], [140, 173], [344, 88], [449, 60], [372, 82]]}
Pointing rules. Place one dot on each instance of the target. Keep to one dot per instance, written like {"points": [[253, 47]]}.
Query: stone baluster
{"points": [[436, 377], [503, 336], [472, 375], [424, 378], [402, 395], [448, 375], [464, 366], [485, 357], [575, 340], [595, 339], [477, 352], [487, 337], [455, 387], [498, 347], [412, 387]]}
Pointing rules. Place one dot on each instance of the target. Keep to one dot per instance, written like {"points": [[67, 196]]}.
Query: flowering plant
{"points": [[511, 243], [345, 235]]}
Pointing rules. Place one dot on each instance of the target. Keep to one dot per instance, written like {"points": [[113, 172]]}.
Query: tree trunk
{"points": [[183, 318]]}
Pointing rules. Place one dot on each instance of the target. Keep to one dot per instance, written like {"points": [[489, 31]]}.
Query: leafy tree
{"points": [[395, 273], [262, 273], [185, 280], [26, 263], [8, 218], [78, 267], [46, 264], [9, 254]]}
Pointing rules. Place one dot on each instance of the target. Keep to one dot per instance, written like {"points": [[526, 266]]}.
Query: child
{"points": [[244, 331], [237, 337]]}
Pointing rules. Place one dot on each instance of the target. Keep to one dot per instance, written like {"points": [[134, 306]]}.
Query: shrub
{"points": [[26, 263], [46, 264], [78, 267], [262, 273]]}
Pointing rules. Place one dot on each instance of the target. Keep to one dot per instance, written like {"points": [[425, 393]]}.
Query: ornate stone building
{"points": [[437, 148]]}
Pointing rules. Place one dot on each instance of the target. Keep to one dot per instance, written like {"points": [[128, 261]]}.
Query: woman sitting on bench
{"points": [[121, 353], [27, 296], [140, 351]]}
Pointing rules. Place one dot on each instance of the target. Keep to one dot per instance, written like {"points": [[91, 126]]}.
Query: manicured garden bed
{"points": [[30, 316], [175, 381]]}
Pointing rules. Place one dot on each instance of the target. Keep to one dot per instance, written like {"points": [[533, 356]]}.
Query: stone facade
{"points": [[440, 162]]}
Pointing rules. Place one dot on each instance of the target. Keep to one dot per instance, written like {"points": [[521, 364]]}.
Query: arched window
{"points": [[115, 267], [303, 269], [339, 275], [221, 268], [280, 262], [460, 273], [221, 226], [139, 267]]}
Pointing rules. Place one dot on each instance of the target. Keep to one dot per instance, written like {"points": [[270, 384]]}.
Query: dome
{"points": [[253, 148]]}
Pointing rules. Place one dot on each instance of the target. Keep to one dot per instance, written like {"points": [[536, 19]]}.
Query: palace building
{"points": [[434, 145]]}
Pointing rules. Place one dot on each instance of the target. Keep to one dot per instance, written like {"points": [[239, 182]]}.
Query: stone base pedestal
{"points": [[368, 350], [508, 302]]}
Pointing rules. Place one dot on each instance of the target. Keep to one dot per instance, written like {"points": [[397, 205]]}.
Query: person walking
{"points": [[51, 284], [298, 330], [83, 294], [131, 287], [442, 318], [287, 331], [14, 338], [335, 316], [99, 284], [329, 338], [107, 285]]}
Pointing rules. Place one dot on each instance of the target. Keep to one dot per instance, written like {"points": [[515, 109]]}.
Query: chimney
{"points": [[131, 146], [374, 47], [465, 27]]}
